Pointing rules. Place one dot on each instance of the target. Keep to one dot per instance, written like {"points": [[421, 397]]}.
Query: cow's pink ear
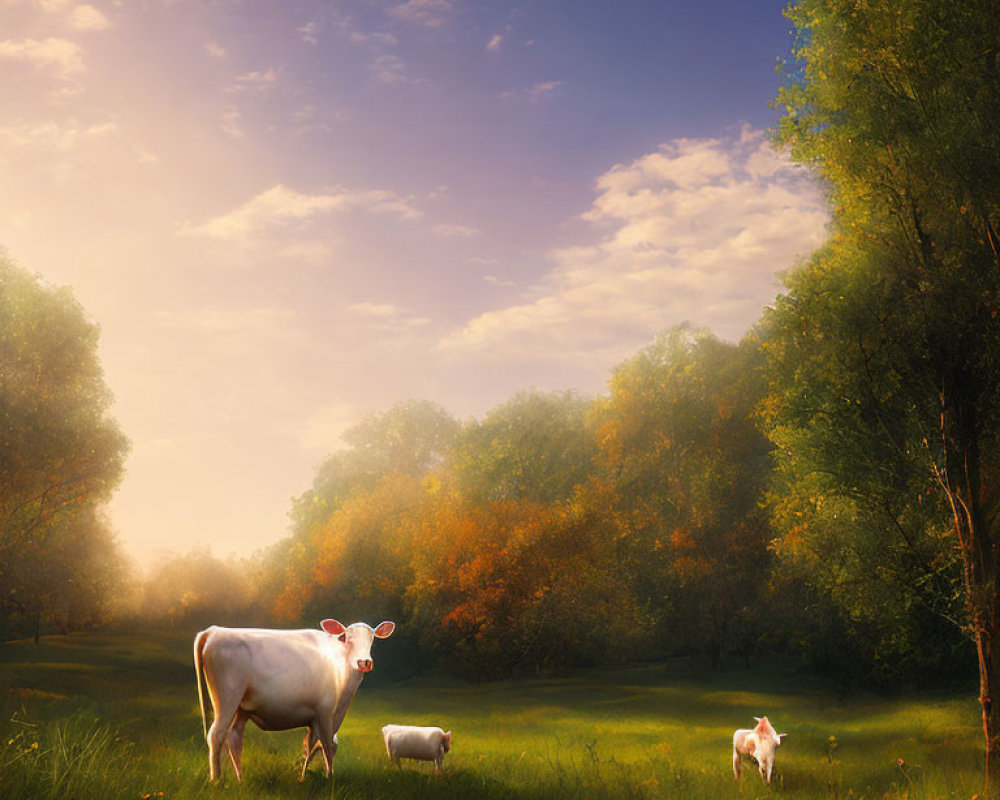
{"points": [[332, 627], [385, 629]]}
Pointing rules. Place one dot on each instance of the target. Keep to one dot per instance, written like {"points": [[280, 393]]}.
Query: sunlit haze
{"points": [[286, 214]]}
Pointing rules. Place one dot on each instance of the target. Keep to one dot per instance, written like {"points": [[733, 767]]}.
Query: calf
{"points": [[422, 744], [760, 743]]}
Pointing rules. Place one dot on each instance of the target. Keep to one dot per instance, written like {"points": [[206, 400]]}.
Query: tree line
{"points": [[828, 488]]}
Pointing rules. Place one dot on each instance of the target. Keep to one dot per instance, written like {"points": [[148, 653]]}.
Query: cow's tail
{"points": [[199, 651]]}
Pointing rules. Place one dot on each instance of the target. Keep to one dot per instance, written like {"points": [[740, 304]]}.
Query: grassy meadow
{"points": [[116, 716]]}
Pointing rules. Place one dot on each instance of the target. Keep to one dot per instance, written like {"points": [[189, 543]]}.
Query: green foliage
{"points": [[196, 589], [681, 448], [555, 532], [855, 498], [534, 447], [60, 455], [886, 397], [513, 587], [408, 439]]}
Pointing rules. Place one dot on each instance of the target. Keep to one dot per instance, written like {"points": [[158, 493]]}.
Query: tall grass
{"points": [[117, 717]]}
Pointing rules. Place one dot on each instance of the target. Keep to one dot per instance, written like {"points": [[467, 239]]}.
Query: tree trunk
{"points": [[979, 554], [984, 613], [37, 625], [989, 682], [980, 549]]}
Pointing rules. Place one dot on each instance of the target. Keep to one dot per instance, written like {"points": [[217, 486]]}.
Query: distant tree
{"points": [[357, 562], [67, 579], [60, 451], [196, 589], [897, 106], [409, 439], [688, 467], [510, 587], [534, 447]]}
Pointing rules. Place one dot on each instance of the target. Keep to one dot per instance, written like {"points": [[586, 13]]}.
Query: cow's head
{"points": [[358, 639], [447, 741]]}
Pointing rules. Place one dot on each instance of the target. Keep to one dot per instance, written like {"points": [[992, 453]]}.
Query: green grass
{"points": [[116, 716]]}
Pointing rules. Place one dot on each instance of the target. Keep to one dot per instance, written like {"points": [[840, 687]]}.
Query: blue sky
{"points": [[288, 214]]}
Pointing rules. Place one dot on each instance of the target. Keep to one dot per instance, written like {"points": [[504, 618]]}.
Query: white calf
{"points": [[760, 743], [422, 744]]}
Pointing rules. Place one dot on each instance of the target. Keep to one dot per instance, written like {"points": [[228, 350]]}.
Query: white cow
{"points": [[760, 743], [422, 744], [281, 680]]}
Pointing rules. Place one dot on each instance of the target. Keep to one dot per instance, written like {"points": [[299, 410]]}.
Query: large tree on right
{"points": [[886, 348]]}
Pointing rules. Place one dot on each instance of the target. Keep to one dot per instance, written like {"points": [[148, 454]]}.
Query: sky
{"points": [[288, 214]]}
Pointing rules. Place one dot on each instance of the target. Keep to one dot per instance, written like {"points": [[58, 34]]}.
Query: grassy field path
{"points": [[116, 716]]}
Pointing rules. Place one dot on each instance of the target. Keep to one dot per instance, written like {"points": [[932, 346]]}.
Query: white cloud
{"points": [[88, 18], [447, 231], [532, 94], [229, 121], [60, 57], [386, 317], [389, 69], [280, 206], [695, 231], [256, 81], [51, 136], [375, 37], [214, 49], [310, 33], [493, 45], [431, 13]]}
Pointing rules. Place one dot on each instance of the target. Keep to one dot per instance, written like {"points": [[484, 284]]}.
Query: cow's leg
{"points": [[217, 734], [736, 764], [309, 746], [234, 740], [328, 739]]}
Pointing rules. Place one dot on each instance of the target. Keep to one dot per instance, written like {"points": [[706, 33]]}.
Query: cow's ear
{"points": [[332, 627], [385, 629], [782, 736]]}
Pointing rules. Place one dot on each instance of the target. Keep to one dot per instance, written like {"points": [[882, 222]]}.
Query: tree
{"points": [[67, 579], [409, 439], [517, 586], [357, 562], [60, 452], [896, 104], [535, 447], [681, 450], [196, 589]]}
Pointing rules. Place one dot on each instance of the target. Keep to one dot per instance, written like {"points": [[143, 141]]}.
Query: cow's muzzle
{"points": [[365, 664]]}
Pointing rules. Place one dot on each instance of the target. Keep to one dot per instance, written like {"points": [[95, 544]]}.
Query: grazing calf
{"points": [[760, 743], [422, 744]]}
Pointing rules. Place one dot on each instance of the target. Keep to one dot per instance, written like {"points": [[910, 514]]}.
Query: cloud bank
{"points": [[695, 231]]}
